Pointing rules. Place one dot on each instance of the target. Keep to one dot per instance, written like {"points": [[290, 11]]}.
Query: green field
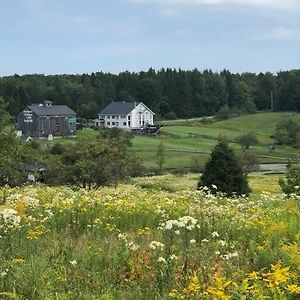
{"points": [[192, 139], [197, 138]]}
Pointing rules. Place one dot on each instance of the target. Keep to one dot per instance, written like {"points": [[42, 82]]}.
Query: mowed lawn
{"points": [[262, 124]]}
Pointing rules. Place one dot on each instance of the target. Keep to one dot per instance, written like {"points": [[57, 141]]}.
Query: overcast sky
{"points": [[84, 36]]}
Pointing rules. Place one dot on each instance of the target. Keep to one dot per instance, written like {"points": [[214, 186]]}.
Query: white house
{"points": [[125, 115]]}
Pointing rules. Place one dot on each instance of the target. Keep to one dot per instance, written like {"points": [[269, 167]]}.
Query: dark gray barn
{"points": [[40, 120]]}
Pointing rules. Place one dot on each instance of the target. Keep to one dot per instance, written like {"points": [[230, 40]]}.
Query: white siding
{"points": [[139, 117]]}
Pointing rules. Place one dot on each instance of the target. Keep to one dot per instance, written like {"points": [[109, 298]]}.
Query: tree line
{"points": [[170, 93]]}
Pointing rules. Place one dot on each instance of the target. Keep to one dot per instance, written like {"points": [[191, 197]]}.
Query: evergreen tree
{"points": [[291, 183], [224, 171]]}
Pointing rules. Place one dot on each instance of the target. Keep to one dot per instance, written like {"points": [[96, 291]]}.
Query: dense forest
{"points": [[170, 93]]}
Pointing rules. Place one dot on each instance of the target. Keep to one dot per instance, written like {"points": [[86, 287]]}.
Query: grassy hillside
{"points": [[194, 140], [263, 124], [195, 137]]}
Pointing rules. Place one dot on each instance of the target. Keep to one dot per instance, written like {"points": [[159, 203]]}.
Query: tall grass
{"points": [[153, 238]]}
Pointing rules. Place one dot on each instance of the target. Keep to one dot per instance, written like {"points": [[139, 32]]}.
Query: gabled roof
{"points": [[119, 108], [53, 110]]}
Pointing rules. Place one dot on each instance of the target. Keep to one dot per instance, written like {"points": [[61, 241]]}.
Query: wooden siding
{"points": [[41, 126]]}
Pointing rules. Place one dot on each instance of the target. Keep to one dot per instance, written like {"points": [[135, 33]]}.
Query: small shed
{"points": [[44, 119]]}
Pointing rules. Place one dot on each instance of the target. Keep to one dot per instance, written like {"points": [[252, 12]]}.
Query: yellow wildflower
{"points": [[17, 261], [34, 234], [254, 275], [293, 289], [8, 294], [218, 290], [193, 286]]}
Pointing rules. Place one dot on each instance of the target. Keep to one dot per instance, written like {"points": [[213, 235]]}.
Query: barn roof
{"points": [[120, 108], [52, 110]]}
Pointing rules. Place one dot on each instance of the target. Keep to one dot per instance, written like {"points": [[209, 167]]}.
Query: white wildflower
{"points": [[122, 237], [10, 217], [132, 246], [215, 234], [161, 259], [193, 241], [229, 255], [222, 243], [73, 262], [156, 245]]}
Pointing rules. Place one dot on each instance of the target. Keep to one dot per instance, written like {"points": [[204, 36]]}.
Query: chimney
{"points": [[47, 103]]}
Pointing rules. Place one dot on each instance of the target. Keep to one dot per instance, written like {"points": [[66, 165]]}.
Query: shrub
{"points": [[287, 133], [249, 162], [223, 113]]}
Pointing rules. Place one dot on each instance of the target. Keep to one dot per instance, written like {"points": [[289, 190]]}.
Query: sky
{"points": [[85, 36]]}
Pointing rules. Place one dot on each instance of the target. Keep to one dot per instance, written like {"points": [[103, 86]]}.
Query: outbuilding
{"points": [[45, 119]]}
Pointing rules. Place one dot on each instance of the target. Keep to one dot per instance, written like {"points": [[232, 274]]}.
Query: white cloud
{"points": [[282, 4], [280, 33]]}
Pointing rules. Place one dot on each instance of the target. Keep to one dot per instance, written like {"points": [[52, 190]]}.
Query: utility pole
{"points": [[272, 101]]}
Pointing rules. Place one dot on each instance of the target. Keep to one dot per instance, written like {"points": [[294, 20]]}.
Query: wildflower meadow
{"points": [[152, 238]]}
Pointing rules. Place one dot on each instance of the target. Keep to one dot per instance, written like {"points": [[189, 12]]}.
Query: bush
{"points": [[224, 171], [247, 140], [291, 183], [249, 162], [223, 113], [57, 149], [288, 133]]}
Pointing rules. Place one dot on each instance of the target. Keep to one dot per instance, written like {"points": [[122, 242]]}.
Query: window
{"points": [[108, 123], [128, 118], [124, 123], [113, 123], [117, 123], [128, 123], [112, 116], [123, 116], [108, 117]]}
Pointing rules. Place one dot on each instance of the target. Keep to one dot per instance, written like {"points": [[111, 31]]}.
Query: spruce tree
{"points": [[224, 171]]}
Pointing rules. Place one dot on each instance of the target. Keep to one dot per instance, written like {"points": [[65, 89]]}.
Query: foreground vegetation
{"points": [[152, 238]]}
